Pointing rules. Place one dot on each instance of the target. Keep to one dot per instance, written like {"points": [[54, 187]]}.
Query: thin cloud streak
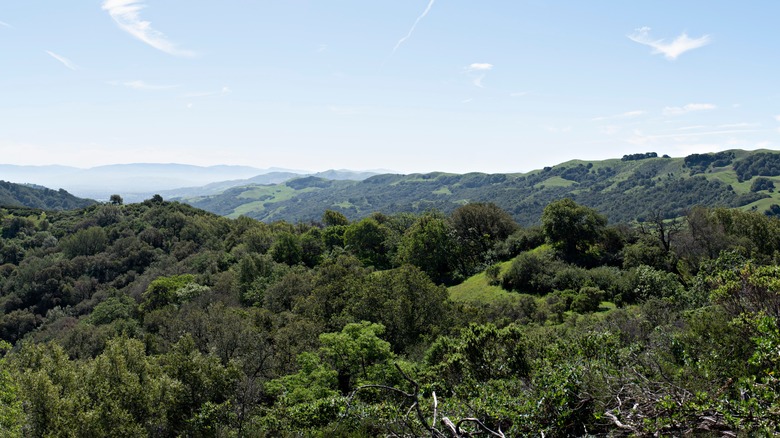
{"points": [[65, 61], [671, 51], [691, 107], [4, 24], [411, 30], [126, 15]]}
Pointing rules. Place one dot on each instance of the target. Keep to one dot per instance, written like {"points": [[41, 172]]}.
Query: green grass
{"points": [[442, 191], [257, 196], [762, 205], [244, 209], [477, 289], [277, 193], [556, 181]]}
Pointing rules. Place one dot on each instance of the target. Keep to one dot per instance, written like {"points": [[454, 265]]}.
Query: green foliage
{"points": [[571, 228], [405, 302], [749, 289], [762, 184], [85, 242], [699, 163], [112, 309], [621, 190], [479, 353], [357, 354], [287, 249], [587, 300], [691, 345], [334, 218], [532, 271], [39, 197], [166, 290], [760, 164], [10, 404], [645, 283], [367, 239], [479, 227], [431, 245]]}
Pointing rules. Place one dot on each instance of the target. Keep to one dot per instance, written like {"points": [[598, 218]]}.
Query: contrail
{"points": [[411, 31]]}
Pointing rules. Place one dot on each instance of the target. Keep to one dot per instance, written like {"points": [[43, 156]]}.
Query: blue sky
{"points": [[406, 85]]}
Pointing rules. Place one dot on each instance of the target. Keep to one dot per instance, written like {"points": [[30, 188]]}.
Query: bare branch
{"points": [[435, 406]]}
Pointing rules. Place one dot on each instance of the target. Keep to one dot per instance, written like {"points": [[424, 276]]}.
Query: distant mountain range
{"points": [[139, 181]]}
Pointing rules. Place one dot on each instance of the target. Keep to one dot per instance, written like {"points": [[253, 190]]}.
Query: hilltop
{"points": [[33, 196]]}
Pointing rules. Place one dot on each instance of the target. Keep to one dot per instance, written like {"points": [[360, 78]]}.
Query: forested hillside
{"points": [[19, 195], [159, 319], [636, 186]]}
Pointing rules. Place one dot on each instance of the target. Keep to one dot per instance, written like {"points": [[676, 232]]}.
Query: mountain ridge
{"points": [[623, 189]]}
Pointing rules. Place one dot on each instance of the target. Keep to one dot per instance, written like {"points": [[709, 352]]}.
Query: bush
{"points": [[588, 300], [493, 275], [532, 271]]}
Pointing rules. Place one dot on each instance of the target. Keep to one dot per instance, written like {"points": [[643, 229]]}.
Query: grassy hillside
{"points": [[622, 189]]}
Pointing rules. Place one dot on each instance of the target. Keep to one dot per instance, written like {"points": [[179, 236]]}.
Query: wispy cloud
{"points": [[141, 85], [691, 107], [625, 115], [4, 24], [480, 69], [411, 30], [65, 61], [479, 66], [777, 117], [672, 50], [126, 14], [739, 125]]}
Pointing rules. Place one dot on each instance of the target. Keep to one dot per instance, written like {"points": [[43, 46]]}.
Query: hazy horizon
{"points": [[412, 86]]}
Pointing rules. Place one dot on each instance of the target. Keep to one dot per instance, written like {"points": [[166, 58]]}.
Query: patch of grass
{"points": [[257, 196], [442, 191], [247, 208], [556, 181], [762, 205], [477, 289]]}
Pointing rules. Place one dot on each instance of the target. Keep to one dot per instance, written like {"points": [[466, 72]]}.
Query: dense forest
{"points": [[636, 186], [26, 195], [159, 319]]}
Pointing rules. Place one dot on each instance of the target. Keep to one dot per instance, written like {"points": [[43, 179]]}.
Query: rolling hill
{"points": [[25, 195], [624, 189]]}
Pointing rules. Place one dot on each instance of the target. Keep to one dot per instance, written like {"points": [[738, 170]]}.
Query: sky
{"points": [[402, 85]]}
